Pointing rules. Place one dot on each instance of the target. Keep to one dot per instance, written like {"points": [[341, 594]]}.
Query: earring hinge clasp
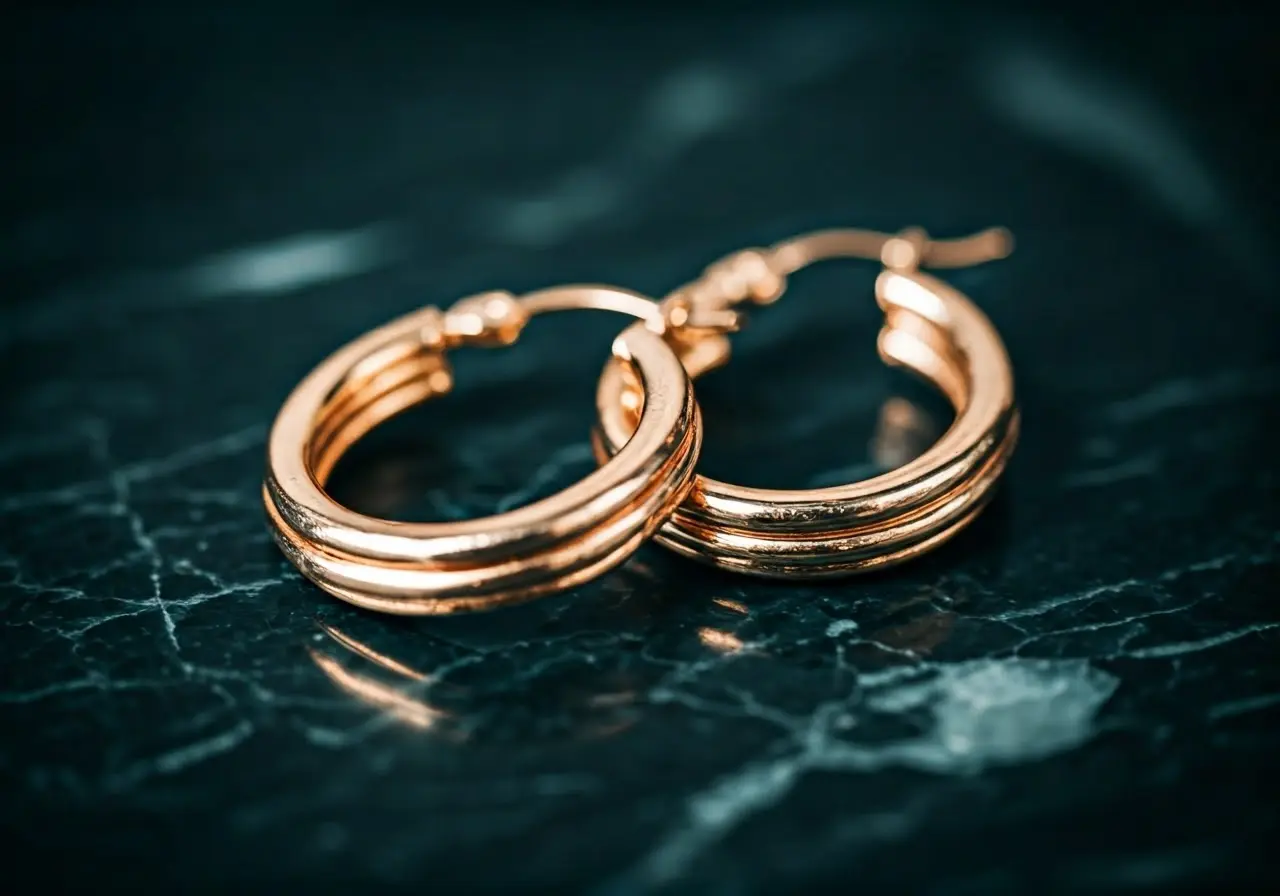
{"points": [[760, 276]]}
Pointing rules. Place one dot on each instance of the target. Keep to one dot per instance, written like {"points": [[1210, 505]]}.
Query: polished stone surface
{"points": [[1081, 694]]}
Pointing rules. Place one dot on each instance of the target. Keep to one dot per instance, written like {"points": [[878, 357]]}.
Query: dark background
{"points": [[1080, 694]]}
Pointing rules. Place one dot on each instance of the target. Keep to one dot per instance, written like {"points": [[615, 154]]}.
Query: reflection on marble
{"points": [[1079, 694]]}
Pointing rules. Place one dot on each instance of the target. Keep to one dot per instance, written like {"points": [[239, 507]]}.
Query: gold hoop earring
{"points": [[930, 328], [437, 568]]}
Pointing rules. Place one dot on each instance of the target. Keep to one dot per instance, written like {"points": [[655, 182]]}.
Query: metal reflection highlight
{"points": [[409, 710], [427, 702], [722, 641]]}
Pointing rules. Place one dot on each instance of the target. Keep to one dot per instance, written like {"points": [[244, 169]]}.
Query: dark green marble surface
{"points": [[1079, 695]]}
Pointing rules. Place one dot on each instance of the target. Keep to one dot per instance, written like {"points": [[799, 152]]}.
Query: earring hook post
{"points": [[760, 275]]}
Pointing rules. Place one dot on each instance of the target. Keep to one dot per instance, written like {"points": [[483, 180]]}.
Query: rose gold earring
{"points": [[930, 328], [557, 542]]}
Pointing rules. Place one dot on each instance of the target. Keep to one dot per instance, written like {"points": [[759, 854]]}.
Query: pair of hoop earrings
{"points": [[648, 440]]}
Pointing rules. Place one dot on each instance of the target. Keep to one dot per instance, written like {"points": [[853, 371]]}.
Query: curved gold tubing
{"points": [[562, 540], [930, 328]]}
